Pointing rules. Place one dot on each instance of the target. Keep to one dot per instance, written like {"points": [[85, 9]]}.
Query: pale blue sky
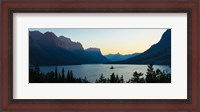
{"points": [[110, 41]]}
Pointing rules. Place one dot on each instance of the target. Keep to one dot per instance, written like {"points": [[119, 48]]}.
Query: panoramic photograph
{"points": [[99, 55]]}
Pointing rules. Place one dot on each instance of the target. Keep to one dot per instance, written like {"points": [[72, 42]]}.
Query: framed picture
{"points": [[100, 55]]}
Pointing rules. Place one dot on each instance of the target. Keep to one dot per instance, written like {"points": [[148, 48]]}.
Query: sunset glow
{"points": [[110, 40]]}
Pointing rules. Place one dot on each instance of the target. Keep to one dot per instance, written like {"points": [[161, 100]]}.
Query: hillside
{"points": [[48, 49], [159, 53]]}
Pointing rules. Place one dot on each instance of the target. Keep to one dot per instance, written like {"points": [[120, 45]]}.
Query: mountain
{"points": [[67, 44], [48, 49], [96, 55], [44, 50], [120, 57], [159, 53]]}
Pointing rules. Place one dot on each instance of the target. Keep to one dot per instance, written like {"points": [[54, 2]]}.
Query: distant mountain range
{"points": [[159, 54], [120, 57], [48, 49]]}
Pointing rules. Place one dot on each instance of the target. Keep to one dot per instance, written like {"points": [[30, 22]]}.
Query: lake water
{"points": [[94, 71]]}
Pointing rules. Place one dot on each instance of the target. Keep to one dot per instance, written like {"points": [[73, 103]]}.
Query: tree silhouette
{"points": [[117, 79], [157, 76], [121, 79], [102, 79], [136, 78], [59, 77], [150, 74], [63, 75], [68, 76], [112, 78], [85, 80], [56, 74], [71, 75]]}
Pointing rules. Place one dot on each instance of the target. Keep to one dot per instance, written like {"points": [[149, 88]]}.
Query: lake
{"points": [[94, 71]]}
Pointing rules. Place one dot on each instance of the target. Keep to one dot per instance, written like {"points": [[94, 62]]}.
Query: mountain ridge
{"points": [[48, 49], [159, 53], [120, 57]]}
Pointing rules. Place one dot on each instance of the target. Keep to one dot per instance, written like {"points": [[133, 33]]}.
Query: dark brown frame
{"points": [[190, 7]]}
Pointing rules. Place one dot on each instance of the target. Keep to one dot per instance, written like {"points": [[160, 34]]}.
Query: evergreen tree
{"points": [[136, 77], [68, 76], [150, 73], [85, 80], [121, 79], [56, 74], [71, 75], [101, 79], [63, 74], [112, 78], [117, 79]]}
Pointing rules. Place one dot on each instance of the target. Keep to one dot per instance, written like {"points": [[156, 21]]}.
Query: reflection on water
{"points": [[93, 71]]}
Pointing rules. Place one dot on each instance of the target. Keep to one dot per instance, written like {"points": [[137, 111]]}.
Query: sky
{"points": [[110, 41]]}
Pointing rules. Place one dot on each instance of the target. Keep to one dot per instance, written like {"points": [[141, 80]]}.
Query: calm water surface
{"points": [[94, 71]]}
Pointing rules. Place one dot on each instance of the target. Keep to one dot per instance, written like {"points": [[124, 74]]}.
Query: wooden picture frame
{"points": [[191, 7]]}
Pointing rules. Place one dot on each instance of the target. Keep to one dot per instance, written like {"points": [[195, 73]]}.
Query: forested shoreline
{"points": [[151, 76]]}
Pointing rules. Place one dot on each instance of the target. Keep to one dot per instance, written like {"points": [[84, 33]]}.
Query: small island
{"points": [[111, 67], [99, 55]]}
